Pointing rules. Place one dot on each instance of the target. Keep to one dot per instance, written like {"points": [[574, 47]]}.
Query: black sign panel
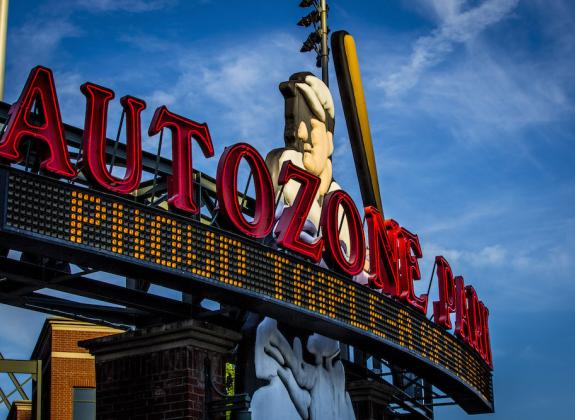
{"points": [[79, 225]]}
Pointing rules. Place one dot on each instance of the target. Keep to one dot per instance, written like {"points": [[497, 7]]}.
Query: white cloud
{"points": [[556, 260], [149, 43], [72, 102], [240, 83], [439, 10], [488, 256], [125, 5], [36, 41], [487, 94], [465, 217], [499, 94], [161, 97], [456, 28], [447, 9], [342, 148], [501, 273]]}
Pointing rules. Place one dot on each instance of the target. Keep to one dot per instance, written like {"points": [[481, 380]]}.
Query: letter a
{"points": [[39, 88]]}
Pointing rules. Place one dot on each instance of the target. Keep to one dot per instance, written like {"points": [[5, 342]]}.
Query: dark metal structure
{"points": [[22, 277], [25, 278], [30, 367]]}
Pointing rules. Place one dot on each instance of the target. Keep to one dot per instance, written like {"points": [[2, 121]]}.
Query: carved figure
{"points": [[308, 137], [298, 389]]}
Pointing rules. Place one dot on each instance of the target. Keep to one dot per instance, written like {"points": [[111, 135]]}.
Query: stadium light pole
{"points": [[324, 47], [317, 40], [3, 34]]}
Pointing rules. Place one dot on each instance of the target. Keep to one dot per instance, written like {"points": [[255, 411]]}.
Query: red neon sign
{"points": [[471, 315], [330, 224], [39, 90], [409, 253], [291, 222], [94, 139], [393, 250], [227, 191], [180, 184]]}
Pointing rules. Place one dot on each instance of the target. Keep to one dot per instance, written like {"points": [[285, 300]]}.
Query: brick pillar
{"points": [[370, 399], [158, 373], [20, 410]]}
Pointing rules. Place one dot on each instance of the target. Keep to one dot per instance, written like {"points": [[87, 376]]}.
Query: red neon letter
{"points": [[462, 325], [39, 88], [409, 271], [474, 318], [291, 222], [383, 267], [180, 184], [330, 223], [446, 303], [471, 315], [485, 342], [477, 327], [227, 190], [94, 139]]}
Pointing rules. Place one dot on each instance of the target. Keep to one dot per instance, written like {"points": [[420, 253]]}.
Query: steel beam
{"points": [[15, 381], [121, 318], [27, 273], [18, 366]]}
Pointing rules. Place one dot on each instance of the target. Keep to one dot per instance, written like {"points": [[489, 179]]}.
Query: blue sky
{"points": [[471, 105]]}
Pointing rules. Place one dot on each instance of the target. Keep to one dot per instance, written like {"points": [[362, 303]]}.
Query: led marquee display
{"points": [[37, 210]]}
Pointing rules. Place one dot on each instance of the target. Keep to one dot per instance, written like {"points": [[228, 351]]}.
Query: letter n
{"points": [[383, 256]]}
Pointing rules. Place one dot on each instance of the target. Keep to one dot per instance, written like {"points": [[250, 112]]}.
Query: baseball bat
{"points": [[355, 111]]}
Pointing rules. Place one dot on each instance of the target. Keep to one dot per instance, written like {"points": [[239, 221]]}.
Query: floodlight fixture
{"points": [[317, 40], [312, 40], [313, 17], [307, 46], [307, 3]]}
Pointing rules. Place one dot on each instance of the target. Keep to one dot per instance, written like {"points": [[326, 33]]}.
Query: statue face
{"points": [[317, 146]]}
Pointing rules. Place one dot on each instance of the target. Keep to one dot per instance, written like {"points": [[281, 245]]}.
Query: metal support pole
{"points": [[157, 166], [4, 399], [38, 393], [324, 47], [3, 34], [117, 141], [431, 279]]}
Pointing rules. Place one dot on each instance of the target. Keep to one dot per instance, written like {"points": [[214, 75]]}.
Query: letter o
{"points": [[227, 191], [330, 231]]}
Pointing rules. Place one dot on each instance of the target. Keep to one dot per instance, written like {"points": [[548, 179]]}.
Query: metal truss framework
{"points": [[30, 367], [24, 278]]}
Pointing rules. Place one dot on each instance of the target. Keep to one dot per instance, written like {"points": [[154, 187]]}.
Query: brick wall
{"points": [[158, 373], [68, 374], [66, 365], [71, 367], [166, 384]]}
